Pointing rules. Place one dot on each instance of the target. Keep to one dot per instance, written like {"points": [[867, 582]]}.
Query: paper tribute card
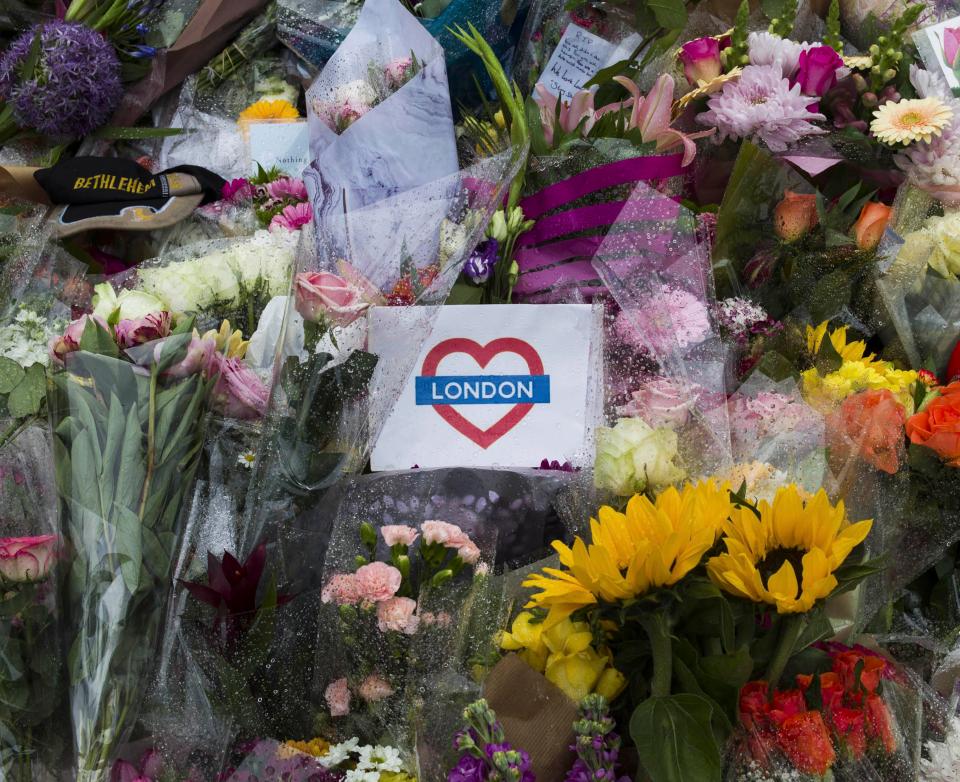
{"points": [[939, 45], [502, 385], [284, 145]]}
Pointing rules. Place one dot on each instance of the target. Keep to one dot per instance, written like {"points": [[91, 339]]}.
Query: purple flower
{"points": [[817, 70], [763, 107], [236, 190], [469, 769], [547, 464], [479, 266], [75, 86]]}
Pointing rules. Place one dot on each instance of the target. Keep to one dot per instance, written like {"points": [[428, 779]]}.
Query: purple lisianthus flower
{"points": [[479, 266], [73, 89], [469, 769]]}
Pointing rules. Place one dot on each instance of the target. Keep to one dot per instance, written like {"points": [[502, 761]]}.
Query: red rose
{"points": [[845, 665], [753, 704], [879, 723], [787, 703], [805, 741], [850, 725]]}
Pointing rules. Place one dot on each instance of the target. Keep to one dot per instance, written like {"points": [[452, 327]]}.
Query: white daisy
{"points": [[359, 775], [247, 459], [380, 758], [339, 753]]}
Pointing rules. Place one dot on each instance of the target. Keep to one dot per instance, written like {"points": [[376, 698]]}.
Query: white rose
{"points": [[633, 456], [132, 304]]}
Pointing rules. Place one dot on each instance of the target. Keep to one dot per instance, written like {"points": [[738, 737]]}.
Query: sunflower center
{"points": [[774, 560]]}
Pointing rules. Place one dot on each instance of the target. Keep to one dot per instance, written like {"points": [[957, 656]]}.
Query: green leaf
{"points": [[674, 738], [11, 373], [174, 349], [114, 133], [29, 395], [129, 545], [29, 66], [96, 339], [670, 14]]}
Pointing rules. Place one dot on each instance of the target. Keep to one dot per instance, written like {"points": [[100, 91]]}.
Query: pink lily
{"points": [[651, 114], [572, 113]]}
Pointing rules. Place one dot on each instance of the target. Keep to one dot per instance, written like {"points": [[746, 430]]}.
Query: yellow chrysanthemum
{"points": [[787, 557], [649, 546], [906, 121], [230, 343], [269, 109], [317, 747]]}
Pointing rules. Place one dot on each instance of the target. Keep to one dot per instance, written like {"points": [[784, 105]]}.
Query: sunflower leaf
{"points": [[674, 738]]}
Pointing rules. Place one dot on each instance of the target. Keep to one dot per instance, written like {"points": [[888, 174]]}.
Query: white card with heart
{"points": [[495, 385]]}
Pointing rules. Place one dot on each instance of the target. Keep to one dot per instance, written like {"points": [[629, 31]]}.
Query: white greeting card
{"points": [[576, 60], [494, 385], [284, 145], [939, 45]]}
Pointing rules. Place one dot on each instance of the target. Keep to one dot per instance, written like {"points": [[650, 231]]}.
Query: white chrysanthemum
{"points": [[379, 758], [768, 49], [339, 753], [943, 761], [25, 339], [762, 106]]}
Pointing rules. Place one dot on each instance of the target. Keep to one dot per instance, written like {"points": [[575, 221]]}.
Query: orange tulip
{"points": [[871, 224], [795, 216]]}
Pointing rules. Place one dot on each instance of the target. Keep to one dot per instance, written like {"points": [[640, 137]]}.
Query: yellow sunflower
{"points": [[848, 351], [653, 544], [789, 555], [268, 110]]}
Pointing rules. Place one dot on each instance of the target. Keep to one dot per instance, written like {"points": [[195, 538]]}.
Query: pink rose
{"points": [[375, 688], [70, 341], [27, 559], [149, 328], [239, 392], [469, 553], [321, 295], [377, 582], [951, 46], [817, 70], [397, 614], [293, 217], [701, 60], [396, 72], [399, 535], [337, 695], [199, 358], [661, 401], [447, 535], [341, 589]]}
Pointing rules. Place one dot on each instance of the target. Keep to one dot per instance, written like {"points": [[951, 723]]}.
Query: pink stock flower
{"points": [[337, 696], [287, 187], [572, 113], [701, 60], [377, 582], [70, 341], [199, 358], [239, 392], [137, 331], [293, 217], [651, 114], [23, 560], [237, 190], [320, 295], [399, 535], [951, 46], [341, 589], [398, 614], [375, 688], [396, 72], [817, 70], [469, 553], [446, 534]]}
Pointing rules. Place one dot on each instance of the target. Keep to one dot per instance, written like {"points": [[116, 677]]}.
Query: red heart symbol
{"points": [[482, 354]]}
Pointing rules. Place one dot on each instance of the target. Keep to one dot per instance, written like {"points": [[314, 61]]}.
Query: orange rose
{"points": [[879, 722], [845, 666], [795, 216], [937, 426], [805, 741], [870, 425], [851, 727], [871, 224]]}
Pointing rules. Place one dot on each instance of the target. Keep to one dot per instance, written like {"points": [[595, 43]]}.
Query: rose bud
{"points": [[869, 228], [795, 216], [23, 560], [322, 295], [701, 60]]}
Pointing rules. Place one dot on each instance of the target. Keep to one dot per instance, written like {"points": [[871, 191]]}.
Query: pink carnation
{"points": [[375, 688], [399, 535], [444, 533], [398, 614], [377, 582], [469, 553], [341, 589], [338, 698]]}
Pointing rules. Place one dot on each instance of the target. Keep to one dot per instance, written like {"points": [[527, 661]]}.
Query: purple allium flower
{"points": [[75, 86], [469, 769], [763, 107], [479, 266]]}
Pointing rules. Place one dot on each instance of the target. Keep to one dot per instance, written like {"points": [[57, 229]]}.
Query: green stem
{"points": [[11, 432], [661, 648], [151, 430], [791, 628]]}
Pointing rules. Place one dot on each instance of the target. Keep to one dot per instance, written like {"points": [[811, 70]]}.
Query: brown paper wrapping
{"points": [[536, 716], [211, 29], [17, 182]]}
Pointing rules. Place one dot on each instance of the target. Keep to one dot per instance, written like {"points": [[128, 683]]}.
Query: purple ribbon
{"points": [[598, 216], [620, 172]]}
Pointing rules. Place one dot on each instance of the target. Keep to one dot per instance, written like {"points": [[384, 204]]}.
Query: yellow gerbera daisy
{"points": [[653, 544], [906, 121], [788, 556], [269, 109]]}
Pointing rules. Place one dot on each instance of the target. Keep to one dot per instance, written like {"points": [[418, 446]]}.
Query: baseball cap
{"points": [[97, 193]]}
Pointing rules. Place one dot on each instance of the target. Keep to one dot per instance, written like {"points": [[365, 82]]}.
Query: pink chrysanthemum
{"points": [[670, 319], [762, 106]]}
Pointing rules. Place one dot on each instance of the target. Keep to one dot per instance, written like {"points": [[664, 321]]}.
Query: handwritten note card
{"points": [[576, 60]]}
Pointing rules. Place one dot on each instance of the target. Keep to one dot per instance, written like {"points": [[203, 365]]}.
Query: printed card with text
{"points": [[939, 45], [503, 385], [284, 145]]}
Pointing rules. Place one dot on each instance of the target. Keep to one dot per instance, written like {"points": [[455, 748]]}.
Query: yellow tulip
{"points": [[575, 674], [610, 684]]}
